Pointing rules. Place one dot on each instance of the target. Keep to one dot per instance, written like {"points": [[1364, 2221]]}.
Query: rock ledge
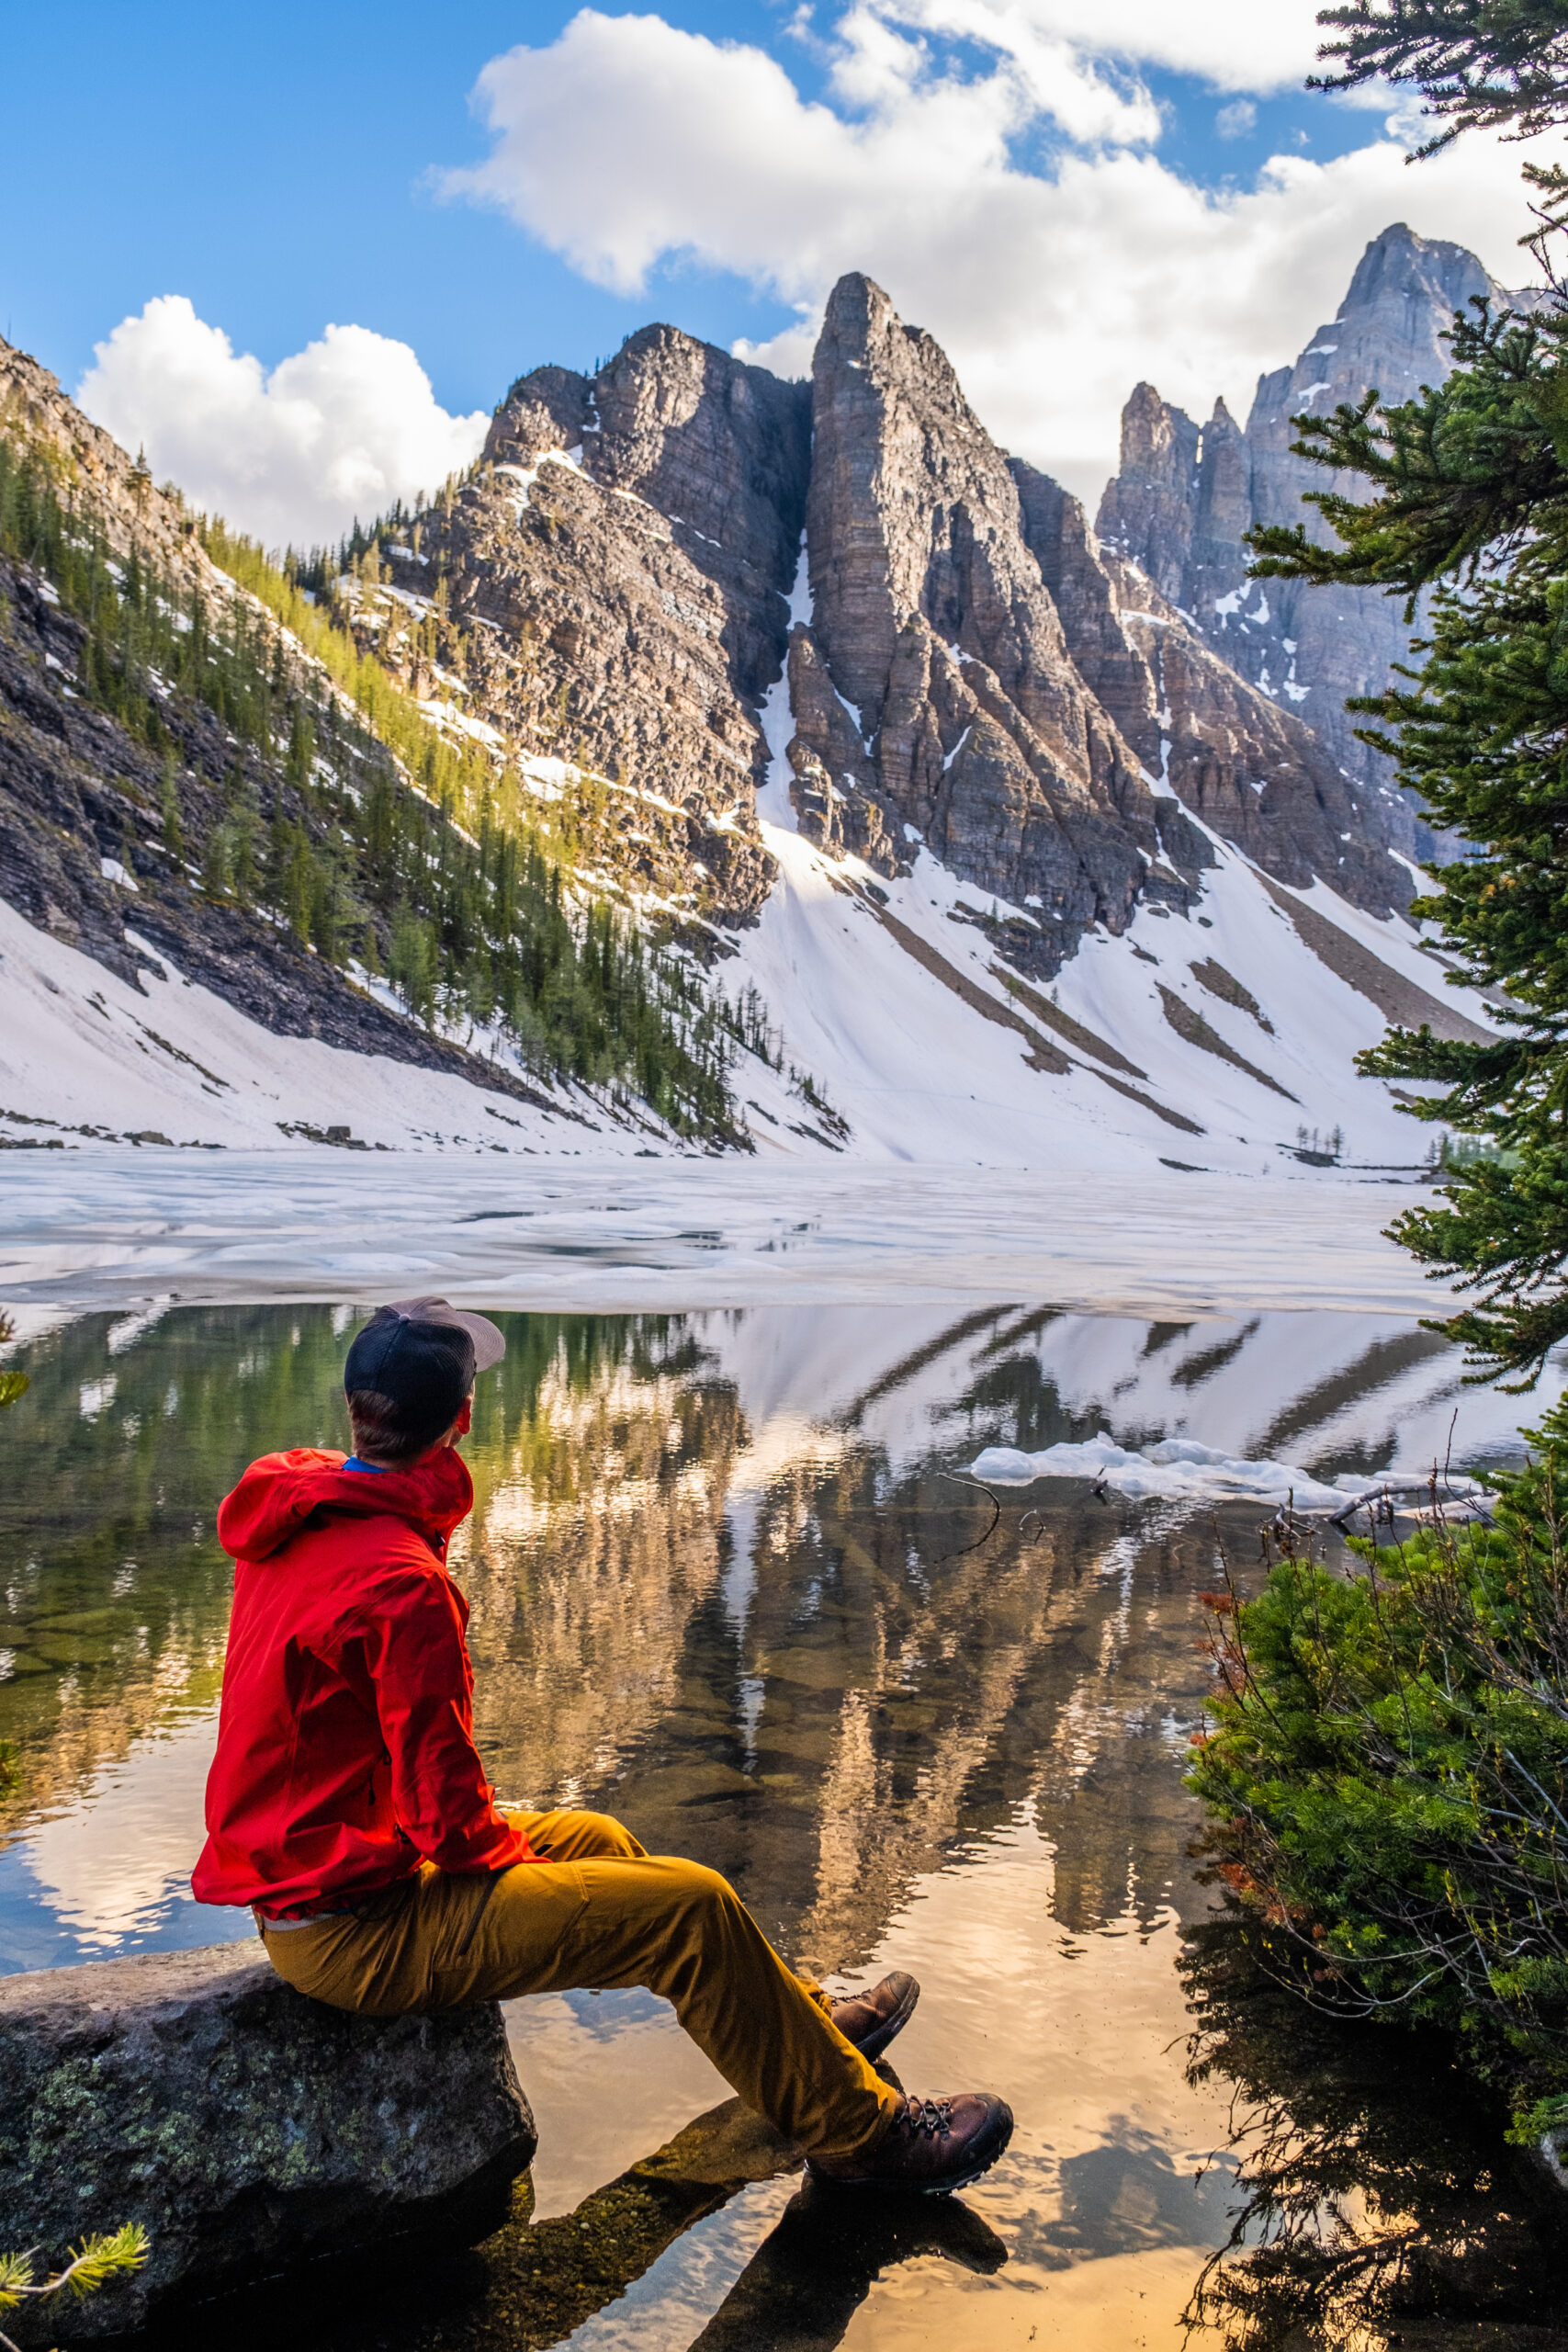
{"points": [[247, 2128]]}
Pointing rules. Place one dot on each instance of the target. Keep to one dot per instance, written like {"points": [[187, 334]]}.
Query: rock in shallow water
{"points": [[247, 2128]]}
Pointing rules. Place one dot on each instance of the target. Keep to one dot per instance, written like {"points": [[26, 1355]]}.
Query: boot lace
{"points": [[927, 2119]]}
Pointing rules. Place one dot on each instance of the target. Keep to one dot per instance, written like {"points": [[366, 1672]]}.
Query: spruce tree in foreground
{"points": [[1479, 64], [1470, 501], [1385, 1765]]}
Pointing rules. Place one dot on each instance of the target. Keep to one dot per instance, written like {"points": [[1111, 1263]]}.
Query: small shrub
{"points": [[1387, 1777]]}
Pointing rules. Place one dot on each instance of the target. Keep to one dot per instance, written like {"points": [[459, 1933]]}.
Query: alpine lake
{"points": [[730, 1580]]}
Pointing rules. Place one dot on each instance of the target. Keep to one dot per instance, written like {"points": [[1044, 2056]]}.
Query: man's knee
{"points": [[701, 1894], [601, 1834], [573, 1837]]}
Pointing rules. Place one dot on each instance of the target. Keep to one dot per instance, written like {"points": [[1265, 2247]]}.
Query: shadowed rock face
{"points": [[1222, 749], [626, 558], [960, 710], [980, 672], [721, 451], [1046, 709], [1183, 500]]}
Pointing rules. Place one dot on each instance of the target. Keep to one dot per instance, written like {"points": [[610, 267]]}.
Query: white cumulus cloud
{"points": [[345, 427], [1254, 45], [1018, 208]]}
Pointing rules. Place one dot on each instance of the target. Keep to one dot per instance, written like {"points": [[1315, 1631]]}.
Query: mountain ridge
{"points": [[787, 666], [1186, 494]]}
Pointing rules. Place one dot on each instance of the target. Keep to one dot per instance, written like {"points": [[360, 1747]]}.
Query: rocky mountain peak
{"points": [[979, 673], [719, 449], [1183, 500], [712, 443], [1150, 500], [1426, 273], [910, 500], [934, 694]]}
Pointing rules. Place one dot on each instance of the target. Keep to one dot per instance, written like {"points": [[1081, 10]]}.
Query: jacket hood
{"points": [[280, 1492]]}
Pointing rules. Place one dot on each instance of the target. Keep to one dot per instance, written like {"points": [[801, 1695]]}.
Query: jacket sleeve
{"points": [[418, 1662]]}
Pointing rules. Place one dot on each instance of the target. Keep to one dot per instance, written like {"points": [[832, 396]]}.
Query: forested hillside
{"points": [[289, 823]]}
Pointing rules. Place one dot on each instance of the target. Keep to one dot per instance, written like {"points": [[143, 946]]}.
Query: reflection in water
{"points": [[1380, 2205], [727, 1581]]}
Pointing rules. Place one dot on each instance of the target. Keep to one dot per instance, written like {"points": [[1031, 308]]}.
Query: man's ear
{"points": [[466, 1418]]}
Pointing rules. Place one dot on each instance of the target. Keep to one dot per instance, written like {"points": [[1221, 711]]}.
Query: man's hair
{"points": [[385, 1431]]}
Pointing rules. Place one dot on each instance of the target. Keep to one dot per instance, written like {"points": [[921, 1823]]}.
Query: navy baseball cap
{"points": [[424, 1356]]}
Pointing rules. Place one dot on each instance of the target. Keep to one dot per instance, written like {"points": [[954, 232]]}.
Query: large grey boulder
{"points": [[247, 2128]]}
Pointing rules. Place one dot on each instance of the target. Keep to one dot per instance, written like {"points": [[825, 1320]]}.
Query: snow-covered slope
{"points": [[888, 998], [1170, 991], [85, 1061], [889, 993]]}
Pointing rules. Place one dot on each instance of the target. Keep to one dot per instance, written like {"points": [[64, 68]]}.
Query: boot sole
{"points": [[891, 2026], [977, 2163]]}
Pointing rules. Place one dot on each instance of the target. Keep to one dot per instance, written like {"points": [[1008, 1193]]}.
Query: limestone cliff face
{"points": [[1045, 706], [935, 680], [1184, 498], [981, 674], [720, 449], [623, 559], [1221, 748]]}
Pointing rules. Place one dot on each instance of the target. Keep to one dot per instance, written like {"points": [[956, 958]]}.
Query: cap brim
{"points": [[490, 1344]]}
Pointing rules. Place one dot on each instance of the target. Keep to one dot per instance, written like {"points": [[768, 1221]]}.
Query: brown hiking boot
{"points": [[935, 2146], [870, 2019]]}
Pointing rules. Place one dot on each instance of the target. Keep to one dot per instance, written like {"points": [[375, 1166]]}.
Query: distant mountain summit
{"points": [[970, 666], [1186, 496]]}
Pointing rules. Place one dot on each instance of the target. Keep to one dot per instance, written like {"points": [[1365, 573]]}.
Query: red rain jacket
{"points": [[345, 1744]]}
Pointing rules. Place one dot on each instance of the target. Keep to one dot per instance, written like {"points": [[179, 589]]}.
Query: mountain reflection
{"points": [[724, 1578]]}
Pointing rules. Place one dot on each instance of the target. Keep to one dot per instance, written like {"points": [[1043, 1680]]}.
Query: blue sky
{"points": [[1068, 193], [273, 165]]}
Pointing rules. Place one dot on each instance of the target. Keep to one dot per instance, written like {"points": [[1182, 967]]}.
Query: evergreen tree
{"points": [[169, 810], [410, 963], [301, 756], [1470, 484], [1487, 64], [215, 863], [473, 930]]}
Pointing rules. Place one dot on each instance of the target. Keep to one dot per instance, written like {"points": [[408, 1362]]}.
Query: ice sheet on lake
{"points": [[128, 1228], [1182, 1469]]}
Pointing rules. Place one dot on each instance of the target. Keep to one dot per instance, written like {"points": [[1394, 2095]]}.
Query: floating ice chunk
{"points": [[1181, 1468]]}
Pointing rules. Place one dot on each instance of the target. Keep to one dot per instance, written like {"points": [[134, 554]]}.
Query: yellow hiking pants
{"points": [[602, 1911]]}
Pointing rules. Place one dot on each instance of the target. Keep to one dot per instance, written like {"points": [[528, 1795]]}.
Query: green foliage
{"points": [[1471, 492], [460, 779], [12, 1386], [169, 809], [97, 2261], [441, 884], [1486, 64], [10, 1770], [1388, 1775]]}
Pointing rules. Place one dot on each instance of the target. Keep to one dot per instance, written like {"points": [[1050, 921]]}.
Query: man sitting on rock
{"points": [[349, 1806]]}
